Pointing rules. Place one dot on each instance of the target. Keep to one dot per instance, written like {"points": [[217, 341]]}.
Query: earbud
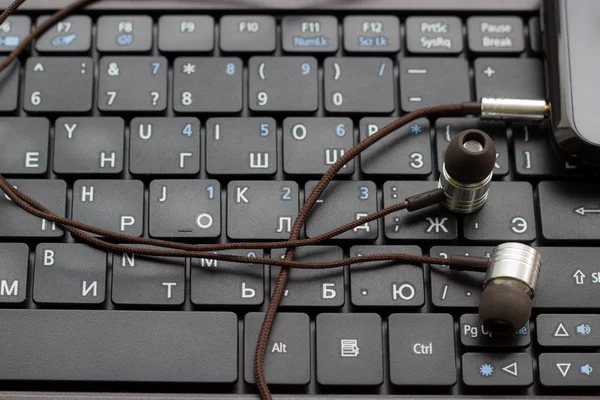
{"points": [[505, 304], [467, 171]]}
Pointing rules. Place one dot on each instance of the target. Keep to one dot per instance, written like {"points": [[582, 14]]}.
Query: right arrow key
{"points": [[570, 369]]}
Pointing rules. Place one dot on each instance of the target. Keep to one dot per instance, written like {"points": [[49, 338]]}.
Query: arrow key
{"points": [[568, 330], [497, 369], [569, 211], [570, 369]]}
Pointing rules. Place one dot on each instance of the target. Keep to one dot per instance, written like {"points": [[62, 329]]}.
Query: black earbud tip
{"points": [[504, 309], [470, 156]]}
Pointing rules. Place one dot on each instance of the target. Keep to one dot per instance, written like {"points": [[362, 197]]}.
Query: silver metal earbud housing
{"points": [[464, 198], [514, 264]]}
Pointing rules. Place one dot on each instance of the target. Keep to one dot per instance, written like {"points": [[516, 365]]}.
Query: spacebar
{"points": [[125, 346]]}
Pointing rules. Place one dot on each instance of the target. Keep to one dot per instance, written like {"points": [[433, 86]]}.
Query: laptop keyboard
{"points": [[209, 128]]}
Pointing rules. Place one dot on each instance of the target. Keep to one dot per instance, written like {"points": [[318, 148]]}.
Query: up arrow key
{"points": [[38, 67], [511, 369]]}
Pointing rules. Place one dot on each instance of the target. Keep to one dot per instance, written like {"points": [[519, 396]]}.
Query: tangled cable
{"points": [[164, 248]]}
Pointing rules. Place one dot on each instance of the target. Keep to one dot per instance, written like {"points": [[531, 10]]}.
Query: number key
{"points": [[372, 93], [197, 76], [283, 84], [133, 84]]}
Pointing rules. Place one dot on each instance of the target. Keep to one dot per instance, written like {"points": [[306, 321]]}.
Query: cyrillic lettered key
{"points": [[185, 208], [497, 369], [406, 151], [372, 93], [116, 205], [19, 223], [261, 209], [312, 288], [58, 84], [340, 203], [311, 145], [283, 84], [431, 223], [288, 359], [69, 273], [349, 349], [89, 145], [24, 145], [456, 288], [571, 279], [570, 369], [194, 77], [13, 272], [474, 334], [579, 330], [245, 146], [309, 33], [216, 282], [165, 146], [422, 349], [119, 346], [139, 280], [392, 284]]}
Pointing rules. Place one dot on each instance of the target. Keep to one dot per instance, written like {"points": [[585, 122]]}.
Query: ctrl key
{"points": [[570, 369]]}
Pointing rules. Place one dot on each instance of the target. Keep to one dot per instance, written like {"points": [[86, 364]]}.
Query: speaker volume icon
{"points": [[586, 369], [583, 330]]}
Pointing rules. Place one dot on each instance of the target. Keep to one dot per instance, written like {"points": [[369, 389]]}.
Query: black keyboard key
{"points": [[570, 369], [311, 145], [432, 223], [248, 33], [568, 330], [508, 215], [312, 288], [474, 334], [140, 280], [570, 279], [19, 223], [9, 86], [496, 34], [341, 203], [13, 272], [283, 84], [70, 35], [426, 82], [13, 31], [165, 146], [218, 283], [447, 128], [569, 211], [124, 33], [535, 35], [69, 273], [406, 151], [119, 346], [186, 33], [184, 209], [309, 34], [497, 369], [436, 34], [496, 77], [246, 146], [137, 84], [372, 93], [372, 33], [89, 145], [535, 155], [195, 77], [110, 204], [422, 349], [59, 84], [349, 349], [390, 284], [261, 209], [288, 359], [456, 289], [24, 145]]}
